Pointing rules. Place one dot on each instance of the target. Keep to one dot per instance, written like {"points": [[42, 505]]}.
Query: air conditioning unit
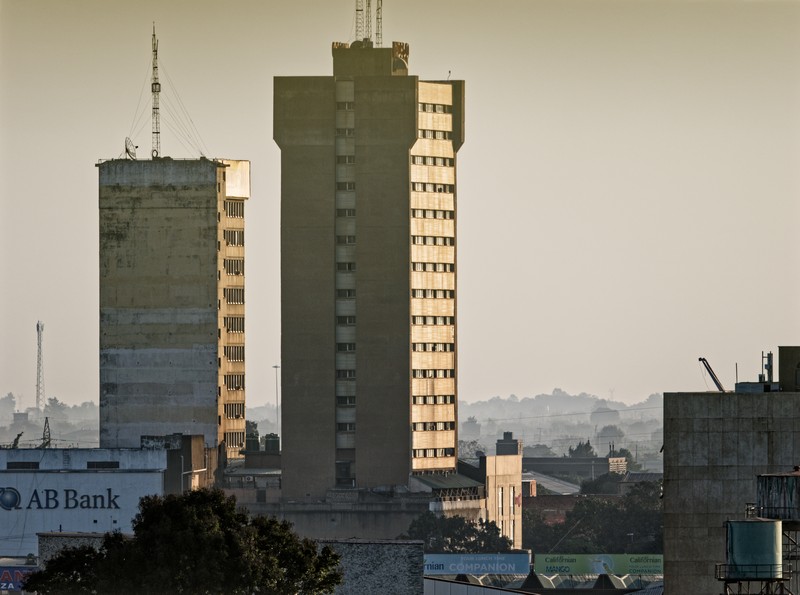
{"points": [[248, 478]]}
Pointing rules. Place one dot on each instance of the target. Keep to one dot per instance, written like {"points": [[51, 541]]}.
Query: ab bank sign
{"points": [[81, 502]]}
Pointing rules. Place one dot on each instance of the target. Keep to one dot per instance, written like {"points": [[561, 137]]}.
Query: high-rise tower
{"points": [[368, 275], [172, 300]]}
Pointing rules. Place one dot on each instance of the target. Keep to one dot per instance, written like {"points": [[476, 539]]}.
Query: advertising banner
{"points": [[619, 564], [12, 577], [516, 563]]}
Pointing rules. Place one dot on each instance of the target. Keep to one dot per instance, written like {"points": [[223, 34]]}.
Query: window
{"points": [[234, 439], [432, 347], [345, 347], [345, 132], [346, 427], [346, 293], [22, 464], [345, 212], [234, 324], [234, 410], [345, 320], [511, 498], [234, 266], [345, 374], [234, 208], [345, 266], [234, 237], [500, 501], [345, 105], [234, 381], [102, 464], [433, 240], [434, 134], [434, 399], [433, 373], [234, 353], [421, 453], [433, 426], [346, 400], [433, 320], [234, 295], [428, 187], [345, 239], [345, 185], [439, 108], [345, 159]]}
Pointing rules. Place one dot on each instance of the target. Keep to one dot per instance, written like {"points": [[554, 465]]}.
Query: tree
{"points": [[538, 450], [469, 449], [583, 450], [197, 542], [608, 484], [457, 535], [631, 460], [7, 406]]}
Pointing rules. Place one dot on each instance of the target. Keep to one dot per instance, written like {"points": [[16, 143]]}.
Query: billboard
{"points": [[511, 563], [619, 564], [12, 577]]}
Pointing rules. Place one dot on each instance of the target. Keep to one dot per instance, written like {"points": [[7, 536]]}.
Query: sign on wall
{"points": [[619, 564], [516, 563]]}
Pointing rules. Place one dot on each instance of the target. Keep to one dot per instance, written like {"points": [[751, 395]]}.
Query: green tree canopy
{"points": [[457, 535], [197, 542], [583, 450]]}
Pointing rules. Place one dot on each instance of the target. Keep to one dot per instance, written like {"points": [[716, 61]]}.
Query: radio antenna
{"points": [[155, 87]]}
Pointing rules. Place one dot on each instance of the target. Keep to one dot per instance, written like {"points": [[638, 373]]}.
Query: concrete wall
{"points": [[715, 446], [504, 494], [158, 300], [379, 566]]}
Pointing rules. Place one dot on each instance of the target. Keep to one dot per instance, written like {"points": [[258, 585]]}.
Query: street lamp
{"points": [[277, 413]]}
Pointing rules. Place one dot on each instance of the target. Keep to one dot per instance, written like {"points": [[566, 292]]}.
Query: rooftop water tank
{"points": [[754, 549]]}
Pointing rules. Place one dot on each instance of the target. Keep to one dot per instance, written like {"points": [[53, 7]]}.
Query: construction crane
{"points": [[14, 444], [707, 366]]}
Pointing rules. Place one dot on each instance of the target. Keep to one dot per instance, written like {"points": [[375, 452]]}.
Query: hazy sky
{"points": [[628, 191]]}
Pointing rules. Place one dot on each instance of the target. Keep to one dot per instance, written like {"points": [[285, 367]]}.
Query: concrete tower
{"points": [[172, 300], [368, 272]]}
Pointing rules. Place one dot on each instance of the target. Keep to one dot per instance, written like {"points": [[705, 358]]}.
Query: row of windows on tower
{"points": [[433, 320], [234, 266], [433, 373], [433, 240], [234, 381], [433, 293], [234, 208], [234, 410], [433, 267], [234, 295], [435, 108], [433, 134], [433, 426], [234, 324], [435, 161], [434, 399], [419, 347], [234, 439], [432, 214], [233, 237], [421, 453], [234, 353], [446, 347], [427, 187]]}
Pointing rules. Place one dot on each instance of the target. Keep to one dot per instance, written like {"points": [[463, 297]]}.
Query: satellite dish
{"points": [[130, 148]]}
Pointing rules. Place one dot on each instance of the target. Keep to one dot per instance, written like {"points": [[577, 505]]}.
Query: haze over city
{"points": [[628, 188]]}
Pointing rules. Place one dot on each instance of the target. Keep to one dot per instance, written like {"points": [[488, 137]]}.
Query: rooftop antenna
{"points": [[379, 24], [368, 21], [155, 87], [359, 20], [39, 366]]}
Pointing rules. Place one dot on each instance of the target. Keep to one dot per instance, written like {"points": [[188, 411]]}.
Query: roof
{"points": [[451, 480], [638, 476]]}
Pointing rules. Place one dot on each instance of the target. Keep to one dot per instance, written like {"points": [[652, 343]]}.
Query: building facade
{"points": [[368, 253], [172, 300]]}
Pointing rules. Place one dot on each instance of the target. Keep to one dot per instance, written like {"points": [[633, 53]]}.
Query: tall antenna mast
{"points": [[155, 87], [368, 21], [379, 24], [359, 20], [39, 366]]}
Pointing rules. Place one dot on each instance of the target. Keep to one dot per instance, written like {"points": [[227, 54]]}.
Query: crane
{"points": [[707, 366]]}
